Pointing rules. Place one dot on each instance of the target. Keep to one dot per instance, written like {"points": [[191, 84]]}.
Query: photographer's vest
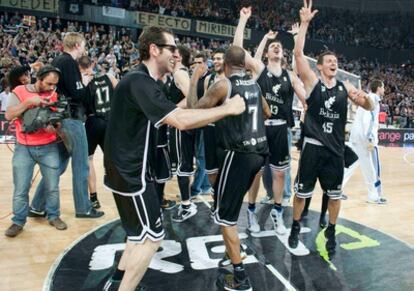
{"points": [[40, 137]]}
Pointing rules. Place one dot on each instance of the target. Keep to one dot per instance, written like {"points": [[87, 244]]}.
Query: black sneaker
{"points": [[293, 239], [322, 221], [113, 285], [95, 203], [36, 213], [168, 204], [330, 240], [93, 213], [229, 282]]}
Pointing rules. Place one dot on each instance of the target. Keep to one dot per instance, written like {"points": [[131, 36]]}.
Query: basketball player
{"points": [[322, 155], [201, 184], [97, 106], [138, 105], [162, 164], [210, 144], [243, 140], [184, 140], [364, 141], [278, 86]]}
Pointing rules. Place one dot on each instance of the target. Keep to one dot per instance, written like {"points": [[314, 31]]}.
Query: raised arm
{"points": [[245, 14], [252, 64], [260, 49], [182, 80], [294, 32], [359, 97], [305, 72], [266, 109], [299, 89]]}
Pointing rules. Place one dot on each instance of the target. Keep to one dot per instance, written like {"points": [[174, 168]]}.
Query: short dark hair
{"points": [[46, 70], [220, 50], [323, 54], [14, 75], [234, 57], [270, 41], [4, 83], [149, 35], [84, 62], [375, 84], [201, 55], [185, 55]]}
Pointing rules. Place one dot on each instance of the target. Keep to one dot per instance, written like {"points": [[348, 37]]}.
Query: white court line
{"points": [[280, 277], [272, 269], [204, 201], [406, 160]]}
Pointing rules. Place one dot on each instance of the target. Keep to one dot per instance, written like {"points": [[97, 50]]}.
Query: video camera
{"points": [[40, 117]]}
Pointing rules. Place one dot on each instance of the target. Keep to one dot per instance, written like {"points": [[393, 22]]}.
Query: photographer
{"points": [[38, 147]]}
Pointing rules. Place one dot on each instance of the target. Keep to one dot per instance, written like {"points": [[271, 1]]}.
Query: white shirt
{"points": [[3, 99], [366, 123]]}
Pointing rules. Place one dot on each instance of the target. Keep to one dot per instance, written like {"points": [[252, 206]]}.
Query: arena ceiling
{"points": [[368, 5]]}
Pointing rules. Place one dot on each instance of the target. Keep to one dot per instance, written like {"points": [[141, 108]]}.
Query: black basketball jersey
{"points": [[200, 85], [174, 93], [278, 92], [326, 116], [161, 132], [101, 91], [245, 132], [138, 106]]}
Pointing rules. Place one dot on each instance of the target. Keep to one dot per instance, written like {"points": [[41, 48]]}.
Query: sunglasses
{"points": [[170, 47]]}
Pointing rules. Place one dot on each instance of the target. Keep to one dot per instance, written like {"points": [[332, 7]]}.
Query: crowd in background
{"points": [[386, 30], [114, 52]]}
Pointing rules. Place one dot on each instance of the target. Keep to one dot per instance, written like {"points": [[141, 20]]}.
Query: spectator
{"points": [[38, 147]]}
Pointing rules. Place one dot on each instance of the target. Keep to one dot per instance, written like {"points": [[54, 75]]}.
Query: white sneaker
{"points": [[277, 218], [267, 200], [380, 200], [183, 214], [252, 224], [285, 202]]}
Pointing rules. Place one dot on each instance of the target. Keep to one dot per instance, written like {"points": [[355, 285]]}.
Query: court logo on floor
{"points": [[188, 258]]}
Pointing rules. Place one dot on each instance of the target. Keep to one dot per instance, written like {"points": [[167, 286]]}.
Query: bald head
{"points": [[234, 57]]}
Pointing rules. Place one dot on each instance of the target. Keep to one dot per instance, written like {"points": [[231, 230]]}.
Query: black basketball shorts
{"points": [[277, 137], [317, 162], [185, 150], [141, 215], [235, 176], [95, 128], [210, 149], [162, 165]]}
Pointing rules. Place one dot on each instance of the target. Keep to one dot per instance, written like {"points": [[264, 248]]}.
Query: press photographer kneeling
{"points": [[35, 147]]}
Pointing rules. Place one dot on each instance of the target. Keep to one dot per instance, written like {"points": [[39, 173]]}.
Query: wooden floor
{"points": [[26, 259]]}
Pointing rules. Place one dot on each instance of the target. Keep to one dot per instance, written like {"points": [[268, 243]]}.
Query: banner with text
{"points": [[37, 5], [396, 136], [220, 29], [113, 12], [152, 19]]}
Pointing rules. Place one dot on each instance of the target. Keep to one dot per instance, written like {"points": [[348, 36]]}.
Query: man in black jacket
{"points": [[72, 85]]}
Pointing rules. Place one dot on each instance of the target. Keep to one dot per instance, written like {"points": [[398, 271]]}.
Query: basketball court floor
{"points": [[375, 242]]}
